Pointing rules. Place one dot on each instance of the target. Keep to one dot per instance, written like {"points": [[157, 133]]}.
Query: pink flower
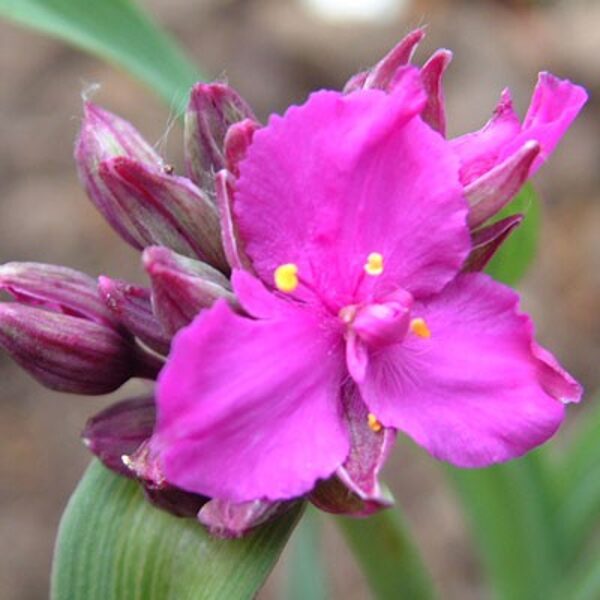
{"points": [[354, 234], [350, 214]]}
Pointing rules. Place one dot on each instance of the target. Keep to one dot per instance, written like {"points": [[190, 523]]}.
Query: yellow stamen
{"points": [[286, 277], [419, 328], [374, 264], [374, 424]]}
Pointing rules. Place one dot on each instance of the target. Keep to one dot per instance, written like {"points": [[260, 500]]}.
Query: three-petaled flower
{"points": [[355, 234]]}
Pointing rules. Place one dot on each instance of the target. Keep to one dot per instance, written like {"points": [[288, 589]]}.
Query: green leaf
{"points": [[383, 547], [511, 509], [116, 30], [113, 545], [516, 254], [579, 477], [306, 576]]}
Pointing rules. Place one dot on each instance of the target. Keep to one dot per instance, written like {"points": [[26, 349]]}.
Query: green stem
{"points": [[383, 547]]}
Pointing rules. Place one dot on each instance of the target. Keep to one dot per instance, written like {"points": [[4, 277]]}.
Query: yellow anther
{"points": [[374, 424], [374, 264], [286, 277], [419, 327]]}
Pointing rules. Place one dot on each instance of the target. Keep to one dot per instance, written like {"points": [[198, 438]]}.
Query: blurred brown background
{"points": [[275, 52]]}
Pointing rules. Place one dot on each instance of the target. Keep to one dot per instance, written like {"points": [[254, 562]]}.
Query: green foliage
{"points": [[117, 31], [112, 544], [383, 547], [515, 256]]}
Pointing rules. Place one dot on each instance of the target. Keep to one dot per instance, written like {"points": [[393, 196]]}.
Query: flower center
{"points": [[375, 323]]}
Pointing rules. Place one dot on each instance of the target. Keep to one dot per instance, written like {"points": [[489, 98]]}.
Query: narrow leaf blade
{"points": [[116, 30], [112, 544]]}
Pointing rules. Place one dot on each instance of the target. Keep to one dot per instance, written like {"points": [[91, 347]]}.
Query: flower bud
{"points": [[131, 305], [181, 287], [68, 353], [162, 209], [104, 136], [55, 288], [229, 520], [212, 109]]}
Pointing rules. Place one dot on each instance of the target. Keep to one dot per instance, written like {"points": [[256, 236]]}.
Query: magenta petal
{"points": [[554, 105], [478, 391], [239, 420], [323, 187], [480, 151]]}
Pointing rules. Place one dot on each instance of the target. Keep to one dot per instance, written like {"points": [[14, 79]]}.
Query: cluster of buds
{"points": [[79, 335]]}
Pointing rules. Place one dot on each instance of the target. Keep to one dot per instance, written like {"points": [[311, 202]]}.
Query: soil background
{"points": [[274, 52]]}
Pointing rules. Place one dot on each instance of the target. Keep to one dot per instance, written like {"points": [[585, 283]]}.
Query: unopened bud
{"points": [[212, 109], [58, 289], [68, 353], [181, 287], [131, 305]]}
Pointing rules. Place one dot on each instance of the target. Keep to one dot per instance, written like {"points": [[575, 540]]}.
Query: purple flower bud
{"points": [[55, 288], [226, 519], [156, 208], [487, 240], [69, 353], [212, 109], [131, 305], [489, 193], [104, 136], [181, 287]]}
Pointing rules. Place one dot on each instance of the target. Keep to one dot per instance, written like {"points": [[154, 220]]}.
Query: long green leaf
{"points": [[516, 255], [579, 477], [384, 549], [116, 30], [511, 508], [113, 545], [306, 575]]}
